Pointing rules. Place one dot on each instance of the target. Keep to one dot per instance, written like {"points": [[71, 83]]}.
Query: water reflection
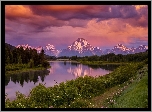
{"points": [[31, 76], [59, 72], [110, 67], [76, 69], [80, 70]]}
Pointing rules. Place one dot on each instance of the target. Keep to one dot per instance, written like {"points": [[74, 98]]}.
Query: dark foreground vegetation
{"points": [[80, 93], [20, 60]]}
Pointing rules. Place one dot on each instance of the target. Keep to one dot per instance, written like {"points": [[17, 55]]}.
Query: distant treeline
{"points": [[28, 56], [111, 57], [137, 57]]}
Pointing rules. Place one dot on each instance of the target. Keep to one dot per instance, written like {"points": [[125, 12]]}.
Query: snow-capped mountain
{"points": [[48, 49], [82, 47], [39, 48], [24, 46], [141, 48], [121, 49], [51, 50]]}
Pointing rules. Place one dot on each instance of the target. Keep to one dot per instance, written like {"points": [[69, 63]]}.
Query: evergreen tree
{"points": [[20, 60], [41, 56], [7, 60], [31, 63]]}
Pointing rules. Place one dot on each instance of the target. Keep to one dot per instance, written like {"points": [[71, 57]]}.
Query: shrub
{"points": [[31, 63], [41, 96], [45, 64]]}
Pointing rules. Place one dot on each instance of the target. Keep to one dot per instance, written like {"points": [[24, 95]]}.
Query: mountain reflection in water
{"points": [[59, 72]]}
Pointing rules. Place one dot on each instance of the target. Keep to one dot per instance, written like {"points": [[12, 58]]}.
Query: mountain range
{"points": [[82, 47]]}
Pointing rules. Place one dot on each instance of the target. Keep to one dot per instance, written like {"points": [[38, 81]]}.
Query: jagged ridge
{"points": [[82, 47]]}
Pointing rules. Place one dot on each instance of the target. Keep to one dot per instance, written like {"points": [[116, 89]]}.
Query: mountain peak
{"points": [[80, 39], [80, 45], [120, 45], [50, 47]]}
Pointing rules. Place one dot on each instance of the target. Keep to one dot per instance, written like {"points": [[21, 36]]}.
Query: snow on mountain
{"points": [[141, 48], [51, 50], [82, 47], [39, 48], [50, 47], [24, 46], [121, 49]]}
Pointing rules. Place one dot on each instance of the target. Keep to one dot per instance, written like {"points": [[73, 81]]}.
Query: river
{"points": [[60, 71]]}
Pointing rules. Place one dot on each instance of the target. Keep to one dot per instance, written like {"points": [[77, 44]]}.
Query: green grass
{"points": [[24, 70], [135, 96], [131, 94], [99, 101], [19, 68], [101, 63]]}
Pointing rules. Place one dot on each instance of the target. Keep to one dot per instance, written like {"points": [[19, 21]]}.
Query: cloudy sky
{"points": [[101, 25]]}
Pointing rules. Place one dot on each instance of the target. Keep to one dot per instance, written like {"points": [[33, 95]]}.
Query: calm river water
{"points": [[59, 72]]}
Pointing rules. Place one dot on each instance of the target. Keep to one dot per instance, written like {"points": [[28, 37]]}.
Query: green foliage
{"points": [[31, 63], [45, 64], [19, 58], [14, 67], [7, 60], [79, 103], [40, 96], [74, 93], [135, 95], [111, 57]]}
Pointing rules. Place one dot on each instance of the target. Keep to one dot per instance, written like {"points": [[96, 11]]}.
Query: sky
{"points": [[102, 26]]}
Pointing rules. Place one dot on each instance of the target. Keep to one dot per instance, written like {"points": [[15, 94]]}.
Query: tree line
{"points": [[111, 57], [137, 57], [28, 56]]}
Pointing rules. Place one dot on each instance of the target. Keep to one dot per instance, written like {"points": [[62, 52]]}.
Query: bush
{"points": [[31, 63], [40, 95], [45, 64]]}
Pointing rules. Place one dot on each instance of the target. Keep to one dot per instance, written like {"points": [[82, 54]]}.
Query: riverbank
{"points": [[92, 62], [64, 61], [131, 94], [76, 93], [102, 63], [20, 68]]}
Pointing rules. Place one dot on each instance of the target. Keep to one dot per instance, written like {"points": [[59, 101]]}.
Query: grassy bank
{"points": [[19, 68], [136, 94], [131, 94], [101, 63], [78, 93]]}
